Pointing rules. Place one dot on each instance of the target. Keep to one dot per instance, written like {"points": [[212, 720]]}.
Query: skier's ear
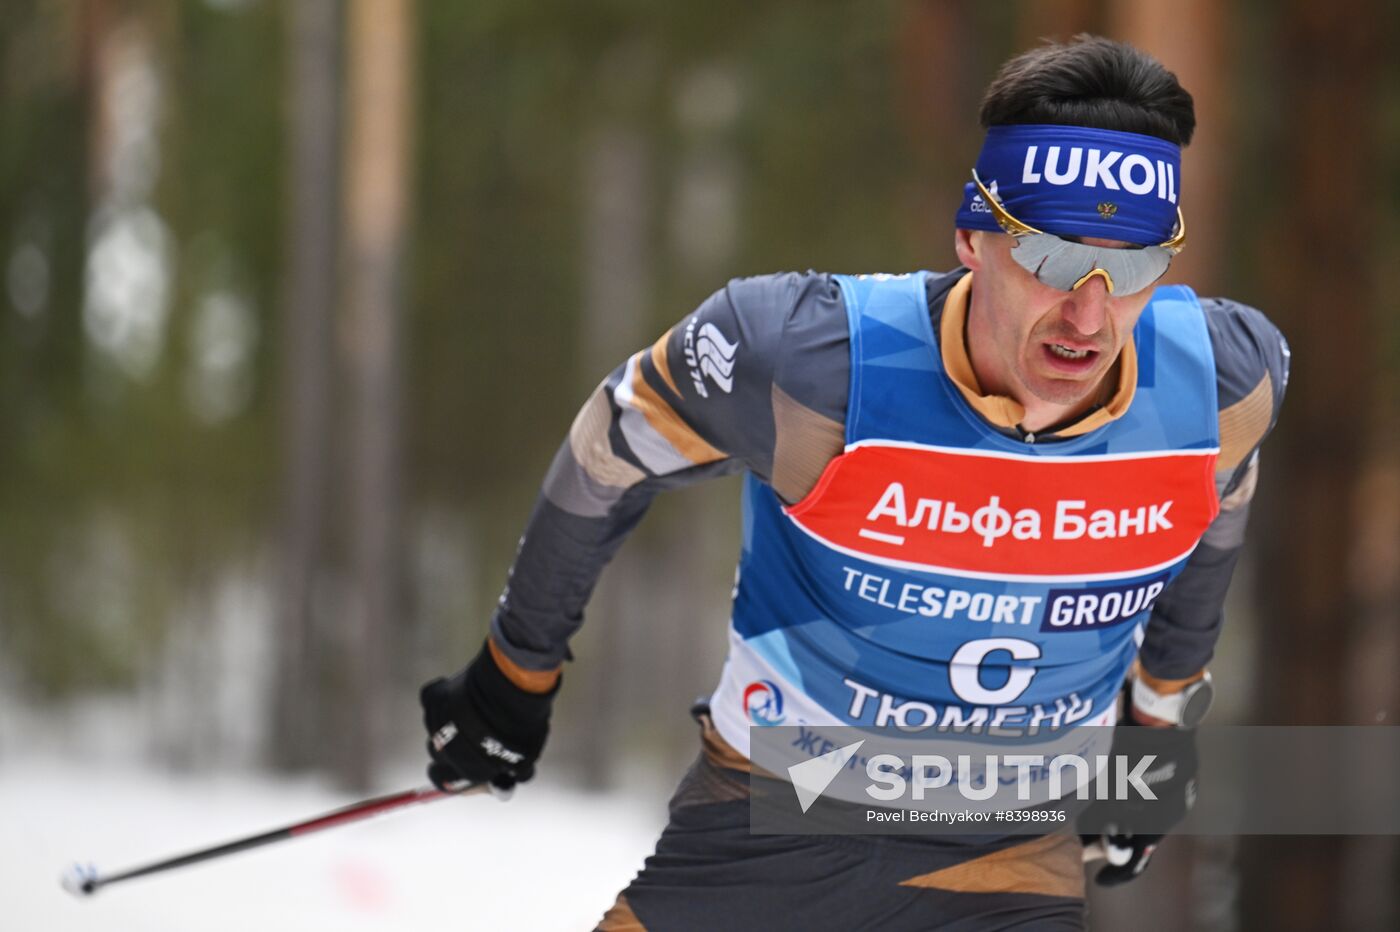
{"points": [[969, 244]]}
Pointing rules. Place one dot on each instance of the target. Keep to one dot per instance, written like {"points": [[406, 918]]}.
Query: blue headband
{"points": [[1077, 181]]}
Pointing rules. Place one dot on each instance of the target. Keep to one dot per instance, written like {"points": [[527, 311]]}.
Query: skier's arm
{"points": [[703, 401], [710, 397], [1252, 373]]}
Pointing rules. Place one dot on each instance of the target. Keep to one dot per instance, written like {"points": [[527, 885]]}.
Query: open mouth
{"points": [[1069, 359], [1064, 352]]}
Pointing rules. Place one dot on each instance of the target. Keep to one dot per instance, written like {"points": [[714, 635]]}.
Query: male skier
{"points": [[1005, 491]]}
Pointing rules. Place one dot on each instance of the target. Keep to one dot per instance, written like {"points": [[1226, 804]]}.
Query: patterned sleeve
{"points": [[703, 401], [1251, 359]]}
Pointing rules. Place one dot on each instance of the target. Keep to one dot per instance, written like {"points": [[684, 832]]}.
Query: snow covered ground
{"points": [[551, 858]]}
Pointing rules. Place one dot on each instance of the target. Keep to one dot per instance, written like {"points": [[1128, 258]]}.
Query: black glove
{"points": [[1132, 829], [483, 728]]}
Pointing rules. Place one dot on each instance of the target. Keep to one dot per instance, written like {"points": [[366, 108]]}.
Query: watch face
{"points": [[1198, 699]]}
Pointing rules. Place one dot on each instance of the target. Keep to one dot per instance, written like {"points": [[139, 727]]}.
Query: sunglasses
{"points": [[1065, 264]]}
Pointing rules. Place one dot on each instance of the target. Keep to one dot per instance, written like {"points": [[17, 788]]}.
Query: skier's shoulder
{"points": [[783, 328], [761, 309], [1251, 355]]}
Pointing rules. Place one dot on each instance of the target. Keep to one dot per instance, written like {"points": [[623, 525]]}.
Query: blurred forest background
{"points": [[299, 298]]}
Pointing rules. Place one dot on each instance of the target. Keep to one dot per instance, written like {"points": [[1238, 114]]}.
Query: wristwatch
{"points": [[1184, 709]]}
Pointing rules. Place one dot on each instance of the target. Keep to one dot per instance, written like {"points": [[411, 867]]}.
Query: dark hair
{"points": [[1091, 81]]}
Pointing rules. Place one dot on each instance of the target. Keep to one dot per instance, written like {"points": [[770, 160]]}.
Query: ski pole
{"points": [[84, 880]]}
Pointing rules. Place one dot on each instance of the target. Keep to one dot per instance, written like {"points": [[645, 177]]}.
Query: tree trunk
{"points": [[377, 174], [312, 120], [1191, 885], [1319, 257], [617, 291], [935, 56], [1188, 38]]}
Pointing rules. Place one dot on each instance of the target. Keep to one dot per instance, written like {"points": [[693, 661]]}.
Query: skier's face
{"points": [[1037, 343]]}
